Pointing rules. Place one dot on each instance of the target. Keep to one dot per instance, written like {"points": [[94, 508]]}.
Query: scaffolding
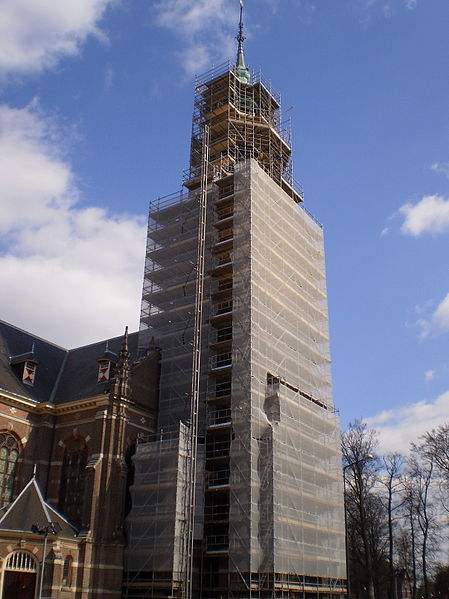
{"points": [[245, 121], [156, 528], [196, 368], [169, 296], [268, 509]]}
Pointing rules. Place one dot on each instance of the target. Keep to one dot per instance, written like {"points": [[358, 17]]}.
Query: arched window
{"points": [[9, 453], [19, 577], [72, 481], [21, 561], [67, 572]]}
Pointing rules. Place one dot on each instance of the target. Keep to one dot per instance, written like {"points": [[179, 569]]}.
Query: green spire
{"points": [[241, 69]]}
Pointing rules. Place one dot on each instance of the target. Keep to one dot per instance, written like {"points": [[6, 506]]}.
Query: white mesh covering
{"points": [[286, 484], [271, 477], [155, 527]]}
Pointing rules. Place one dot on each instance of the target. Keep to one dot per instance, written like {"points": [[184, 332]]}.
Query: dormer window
{"points": [[106, 365], [29, 372], [24, 366], [104, 371]]}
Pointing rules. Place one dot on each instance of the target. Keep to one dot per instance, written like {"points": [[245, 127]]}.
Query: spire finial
{"points": [[125, 342], [241, 70], [121, 386], [240, 38]]}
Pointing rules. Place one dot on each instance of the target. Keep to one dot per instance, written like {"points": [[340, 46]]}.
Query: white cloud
{"points": [[429, 215], [438, 321], [423, 308], [206, 28], [72, 274], [32, 172], [387, 7], [108, 78], [442, 168], [35, 34], [429, 375], [398, 428], [387, 10]]}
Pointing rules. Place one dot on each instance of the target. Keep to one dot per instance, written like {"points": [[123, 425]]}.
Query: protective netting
{"points": [[156, 527], [271, 496], [286, 497]]}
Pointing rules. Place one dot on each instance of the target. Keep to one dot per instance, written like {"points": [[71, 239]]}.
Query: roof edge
{"points": [[13, 326]]}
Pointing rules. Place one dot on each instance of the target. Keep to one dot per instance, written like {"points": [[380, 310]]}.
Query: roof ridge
{"points": [[59, 515], [46, 511], [37, 337], [58, 378], [16, 500], [118, 337], [41, 498]]}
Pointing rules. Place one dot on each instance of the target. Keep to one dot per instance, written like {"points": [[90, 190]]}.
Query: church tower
{"points": [[240, 493]]}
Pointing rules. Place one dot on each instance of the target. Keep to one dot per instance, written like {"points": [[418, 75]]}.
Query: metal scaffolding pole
{"points": [[196, 363]]}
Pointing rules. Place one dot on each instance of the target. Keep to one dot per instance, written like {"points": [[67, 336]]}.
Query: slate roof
{"points": [[80, 373], [50, 357], [62, 375], [29, 510]]}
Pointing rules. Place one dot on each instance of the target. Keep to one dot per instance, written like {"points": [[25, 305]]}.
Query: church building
{"points": [[69, 422]]}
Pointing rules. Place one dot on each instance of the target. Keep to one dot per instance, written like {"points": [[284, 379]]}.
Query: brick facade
{"points": [[106, 425]]}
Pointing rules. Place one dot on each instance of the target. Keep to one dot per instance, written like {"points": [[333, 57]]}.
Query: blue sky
{"points": [[95, 114]]}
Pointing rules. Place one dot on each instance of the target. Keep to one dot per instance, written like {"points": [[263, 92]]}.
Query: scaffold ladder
{"points": [[196, 365]]}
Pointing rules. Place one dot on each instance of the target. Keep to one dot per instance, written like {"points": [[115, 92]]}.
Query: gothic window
{"points": [[67, 572], [9, 453], [129, 476], [73, 481]]}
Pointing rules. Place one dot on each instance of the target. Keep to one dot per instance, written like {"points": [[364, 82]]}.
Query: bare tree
{"points": [[393, 501], [360, 469], [435, 446], [441, 582], [408, 548], [405, 556], [421, 469]]}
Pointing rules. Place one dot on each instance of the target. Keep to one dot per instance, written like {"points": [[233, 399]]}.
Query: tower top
{"points": [[241, 69]]}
